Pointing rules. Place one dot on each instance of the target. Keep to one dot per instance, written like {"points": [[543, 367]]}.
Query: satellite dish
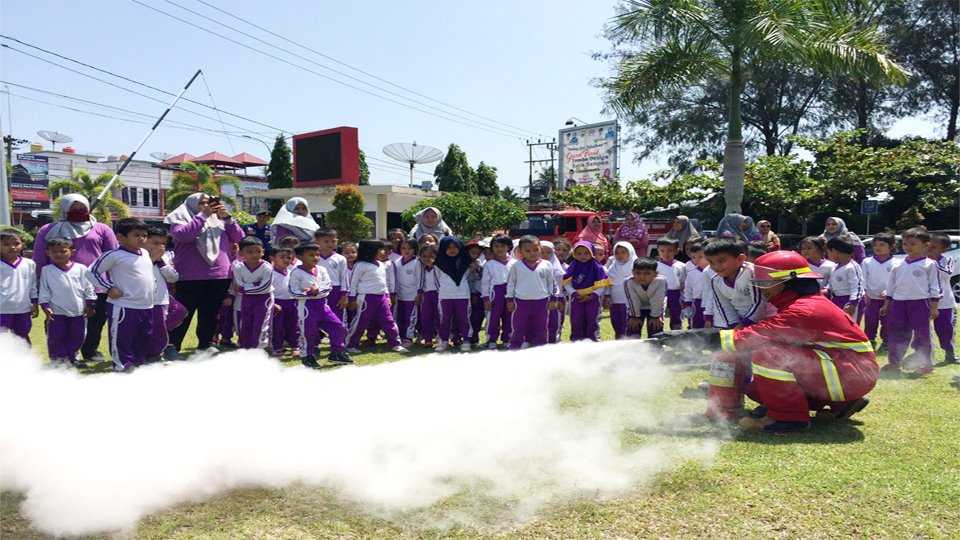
{"points": [[161, 156], [55, 137], [412, 154]]}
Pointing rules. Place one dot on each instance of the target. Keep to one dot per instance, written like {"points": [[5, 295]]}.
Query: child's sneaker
{"points": [[406, 342], [922, 372], [491, 345], [340, 357], [227, 345], [465, 346], [353, 350], [171, 353], [441, 346], [950, 358], [890, 368], [400, 349], [310, 362]]}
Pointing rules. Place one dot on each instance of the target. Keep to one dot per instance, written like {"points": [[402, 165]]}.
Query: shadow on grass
{"points": [[830, 432]]}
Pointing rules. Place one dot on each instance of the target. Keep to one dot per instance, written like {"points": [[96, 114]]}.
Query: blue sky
{"points": [[526, 64]]}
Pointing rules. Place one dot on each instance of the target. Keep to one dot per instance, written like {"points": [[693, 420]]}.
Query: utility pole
{"points": [[551, 146], [4, 188]]}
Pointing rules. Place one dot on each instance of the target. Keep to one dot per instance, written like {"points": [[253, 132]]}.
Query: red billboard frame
{"points": [[349, 158]]}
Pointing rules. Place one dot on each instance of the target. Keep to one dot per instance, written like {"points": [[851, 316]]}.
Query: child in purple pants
{"points": [[428, 302], [493, 290], [674, 271], [370, 297], [943, 325], [286, 326], [619, 270], [530, 286], [406, 283], [310, 285], [253, 279], [876, 273], [67, 298], [18, 287], [453, 291], [163, 273], [584, 281]]}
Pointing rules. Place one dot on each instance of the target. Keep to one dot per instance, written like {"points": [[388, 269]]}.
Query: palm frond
{"points": [[68, 185], [660, 19]]}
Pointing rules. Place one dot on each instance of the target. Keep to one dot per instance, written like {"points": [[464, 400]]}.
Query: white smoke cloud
{"points": [[97, 453]]}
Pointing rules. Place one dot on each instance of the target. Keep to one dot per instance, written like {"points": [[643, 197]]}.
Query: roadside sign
{"points": [[869, 207]]}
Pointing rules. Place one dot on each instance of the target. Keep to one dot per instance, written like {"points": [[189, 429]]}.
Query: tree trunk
{"points": [[952, 122], [733, 156]]}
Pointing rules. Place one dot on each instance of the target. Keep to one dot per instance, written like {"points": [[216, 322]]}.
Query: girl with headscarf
{"points": [[203, 237], [593, 233], [430, 221], [738, 227], [293, 219], [769, 238], [453, 291], [682, 231], [584, 282], [633, 230], [90, 240], [554, 316], [619, 269], [834, 227]]}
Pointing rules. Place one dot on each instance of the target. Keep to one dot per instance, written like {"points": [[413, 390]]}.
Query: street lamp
{"points": [[265, 145]]}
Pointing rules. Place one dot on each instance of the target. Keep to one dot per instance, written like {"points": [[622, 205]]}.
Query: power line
{"points": [[368, 74], [323, 76]]}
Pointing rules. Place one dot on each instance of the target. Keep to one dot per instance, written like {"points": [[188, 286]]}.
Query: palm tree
{"points": [[81, 182], [686, 42], [195, 177]]}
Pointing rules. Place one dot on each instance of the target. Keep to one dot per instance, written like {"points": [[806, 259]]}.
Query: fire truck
{"points": [[568, 222]]}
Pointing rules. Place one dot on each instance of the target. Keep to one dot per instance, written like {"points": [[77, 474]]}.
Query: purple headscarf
{"points": [[584, 274]]}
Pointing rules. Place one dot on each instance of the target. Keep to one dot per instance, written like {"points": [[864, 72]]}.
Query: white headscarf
{"points": [[208, 241], [439, 230], [69, 229], [558, 268], [301, 226], [619, 271]]}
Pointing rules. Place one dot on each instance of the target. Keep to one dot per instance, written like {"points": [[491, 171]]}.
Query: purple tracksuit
{"points": [[65, 335], [907, 317], [842, 301], [697, 321], [428, 315], [18, 323], [254, 319], [530, 323], [405, 314], [312, 315], [332, 300], [618, 320], [585, 318], [476, 317], [944, 327], [499, 323], [675, 308], [226, 320], [129, 329], [873, 320], [454, 316], [373, 309], [555, 320], [286, 328], [159, 338]]}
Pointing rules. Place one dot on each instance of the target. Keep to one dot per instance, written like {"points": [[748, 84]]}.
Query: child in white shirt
{"points": [[67, 298], [531, 284], [18, 287]]}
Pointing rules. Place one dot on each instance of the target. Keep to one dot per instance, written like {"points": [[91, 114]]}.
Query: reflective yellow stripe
{"points": [[856, 346], [726, 341], [775, 374], [721, 374], [830, 376], [785, 273]]}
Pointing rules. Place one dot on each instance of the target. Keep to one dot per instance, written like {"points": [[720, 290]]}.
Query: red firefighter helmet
{"points": [[776, 267]]}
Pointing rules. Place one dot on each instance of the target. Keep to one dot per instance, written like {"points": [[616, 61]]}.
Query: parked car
{"points": [[954, 252]]}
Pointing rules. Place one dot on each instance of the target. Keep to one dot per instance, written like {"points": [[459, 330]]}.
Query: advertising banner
{"points": [[588, 154], [28, 182]]}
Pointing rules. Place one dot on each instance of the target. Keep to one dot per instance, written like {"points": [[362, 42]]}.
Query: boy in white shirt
{"points": [[406, 282], [286, 328], [18, 287], [946, 308], [253, 279], [310, 285], [163, 273], [67, 298], [493, 290], [530, 285], [693, 285], [674, 272], [736, 302], [846, 280], [876, 273], [127, 274]]}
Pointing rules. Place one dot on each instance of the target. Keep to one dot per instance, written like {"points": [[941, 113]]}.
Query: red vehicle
{"points": [[550, 224]]}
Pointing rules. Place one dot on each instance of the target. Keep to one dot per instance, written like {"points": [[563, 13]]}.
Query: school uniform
{"points": [[18, 295], [943, 325], [846, 286], [428, 314], [556, 317], [406, 282], [824, 268], [530, 287], [493, 288], [585, 314], [66, 292], [617, 295], [369, 289], [454, 306], [131, 315], [336, 266], [474, 278], [693, 294], [735, 302], [255, 294], [313, 312], [163, 273], [645, 303], [674, 273], [876, 273], [911, 287], [286, 325]]}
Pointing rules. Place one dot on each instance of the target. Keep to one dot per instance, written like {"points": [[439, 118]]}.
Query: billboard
{"points": [[330, 156], [588, 153], [28, 182]]}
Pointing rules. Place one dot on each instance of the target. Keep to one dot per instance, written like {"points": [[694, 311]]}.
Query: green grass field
{"points": [[893, 472]]}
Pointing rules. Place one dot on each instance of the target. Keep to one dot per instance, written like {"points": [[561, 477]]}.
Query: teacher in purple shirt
{"points": [[90, 240], [203, 237]]}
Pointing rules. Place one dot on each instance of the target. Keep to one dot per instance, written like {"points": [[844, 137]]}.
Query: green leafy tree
{"points": [[197, 177], [688, 42], [470, 215], [81, 182], [454, 174], [24, 235], [243, 218], [364, 170], [487, 181], [509, 194], [347, 216], [280, 169]]}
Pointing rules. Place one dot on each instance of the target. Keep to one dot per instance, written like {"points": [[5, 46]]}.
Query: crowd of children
{"points": [[442, 292]]}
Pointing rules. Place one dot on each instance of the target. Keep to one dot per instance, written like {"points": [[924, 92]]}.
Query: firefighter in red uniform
{"points": [[810, 356]]}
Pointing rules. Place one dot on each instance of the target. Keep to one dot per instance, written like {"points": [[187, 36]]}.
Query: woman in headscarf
{"points": [[835, 227], [203, 237], [430, 221], [593, 233], [738, 227], [293, 219], [769, 238], [90, 240], [633, 230], [682, 231]]}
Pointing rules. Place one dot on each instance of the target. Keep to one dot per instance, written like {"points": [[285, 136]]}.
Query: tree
{"points": [[470, 215], [487, 181], [196, 177], [364, 170], [347, 215], [690, 42], [454, 174], [81, 182], [280, 169], [509, 194]]}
